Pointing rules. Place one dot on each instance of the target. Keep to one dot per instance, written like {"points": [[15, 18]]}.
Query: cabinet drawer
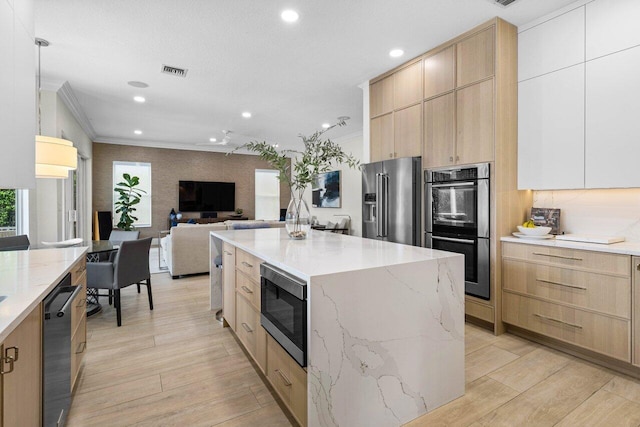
{"points": [[598, 262], [78, 270], [248, 289], [247, 324], [278, 369], [600, 292], [599, 333], [79, 308], [78, 347], [248, 264]]}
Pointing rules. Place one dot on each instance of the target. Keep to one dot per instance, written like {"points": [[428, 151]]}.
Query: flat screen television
{"points": [[200, 196]]}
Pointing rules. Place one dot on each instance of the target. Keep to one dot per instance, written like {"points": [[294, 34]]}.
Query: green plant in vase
{"points": [[318, 155], [128, 197]]}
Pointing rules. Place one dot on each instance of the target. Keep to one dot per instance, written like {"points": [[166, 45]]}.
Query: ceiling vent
{"points": [[174, 71], [503, 3]]}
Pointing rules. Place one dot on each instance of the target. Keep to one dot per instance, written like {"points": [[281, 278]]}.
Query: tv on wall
{"points": [[200, 196]]}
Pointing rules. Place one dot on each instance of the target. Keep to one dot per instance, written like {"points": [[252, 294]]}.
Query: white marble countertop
{"points": [[26, 277], [324, 253], [623, 248]]}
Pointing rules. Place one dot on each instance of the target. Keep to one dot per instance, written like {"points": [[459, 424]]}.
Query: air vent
{"points": [[174, 71], [503, 3]]}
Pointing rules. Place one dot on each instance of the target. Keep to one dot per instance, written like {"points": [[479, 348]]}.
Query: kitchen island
{"points": [[385, 329]]}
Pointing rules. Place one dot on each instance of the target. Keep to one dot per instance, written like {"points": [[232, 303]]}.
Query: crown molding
{"points": [[167, 145], [69, 98]]}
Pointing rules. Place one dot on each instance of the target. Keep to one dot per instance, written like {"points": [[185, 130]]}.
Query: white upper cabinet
{"points": [[552, 45], [613, 120], [551, 130], [612, 25]]}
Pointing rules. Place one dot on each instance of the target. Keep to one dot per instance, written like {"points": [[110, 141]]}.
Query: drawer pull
{"points": [[551, 319], [559, 256], [8, 360], [247, 290], [81, 302], [247, 327], [285, 380], [228, 253], [16, 353], [638, 267], [562, 284], [246, 264], [82, 345]]}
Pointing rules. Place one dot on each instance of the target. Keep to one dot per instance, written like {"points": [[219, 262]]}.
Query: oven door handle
{"points": [[451, 239], [455, 184]]}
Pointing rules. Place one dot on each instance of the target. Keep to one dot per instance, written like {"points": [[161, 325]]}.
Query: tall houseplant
{"points": [[318, 156], [128, 198]]}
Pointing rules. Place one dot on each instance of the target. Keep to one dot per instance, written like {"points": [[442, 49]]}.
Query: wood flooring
{"points": [[177, 366]]}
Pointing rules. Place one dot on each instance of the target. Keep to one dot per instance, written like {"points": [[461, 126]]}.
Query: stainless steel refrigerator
{"points": [[391, 200]]}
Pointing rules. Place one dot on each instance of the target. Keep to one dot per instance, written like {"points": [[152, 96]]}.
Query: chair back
{"points": [[118, 236], [131, 264], [15, 243]]}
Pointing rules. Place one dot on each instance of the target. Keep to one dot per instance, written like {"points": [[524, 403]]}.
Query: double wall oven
{"points": [[457, 220]]}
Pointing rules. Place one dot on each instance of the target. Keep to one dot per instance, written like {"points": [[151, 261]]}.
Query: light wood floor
{"points": [[176, 366]]}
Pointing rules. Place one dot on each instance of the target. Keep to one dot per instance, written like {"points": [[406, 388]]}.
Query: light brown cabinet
{"points": [[407, 141], [22, 386], [382, 138], [439, 72], [475, 57], [381, 97], [439, 131], [636, 310], [475, 123], [78, 321], [229, 284], [407, 86], [288, 379]]}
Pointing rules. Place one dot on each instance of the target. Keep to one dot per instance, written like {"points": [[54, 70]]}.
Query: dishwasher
{"points": [[56, 349]]}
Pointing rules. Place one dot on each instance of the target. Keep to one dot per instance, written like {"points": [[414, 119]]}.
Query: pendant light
{"points": [[55, 157]]}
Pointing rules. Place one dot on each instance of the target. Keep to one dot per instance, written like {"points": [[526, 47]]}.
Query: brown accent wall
{"points": [[170, 166]]}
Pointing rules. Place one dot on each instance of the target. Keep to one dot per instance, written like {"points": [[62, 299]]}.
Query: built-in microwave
{"points": [[283, 312]]}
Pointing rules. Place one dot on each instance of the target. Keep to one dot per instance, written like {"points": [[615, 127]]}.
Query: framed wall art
{"points": [[325, 190]]}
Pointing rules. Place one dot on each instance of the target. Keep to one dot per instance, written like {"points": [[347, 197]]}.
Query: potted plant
{"points": [[128, 198], [318, 155]]}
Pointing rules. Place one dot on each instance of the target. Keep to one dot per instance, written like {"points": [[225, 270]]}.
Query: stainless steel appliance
{"points": [[457, 220], [283, 311], [56, 349], [391, 200]]}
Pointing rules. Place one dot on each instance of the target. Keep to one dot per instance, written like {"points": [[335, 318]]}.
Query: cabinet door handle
{"points": [[638, 267], [285, 380], [82, 345], [247, 327], [451, 158], [559, 256], [16, 353], [247, 290], [4, 360], [246, 264], [562, 284], [228, 253], [551, 319]]}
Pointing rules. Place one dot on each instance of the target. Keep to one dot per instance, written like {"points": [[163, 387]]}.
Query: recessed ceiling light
{"points": [[274, 145], [137, 132], [289, 15], [141, 85], [139, 99], [246, 115], [212, 140], [326, 125], [396, 53]]}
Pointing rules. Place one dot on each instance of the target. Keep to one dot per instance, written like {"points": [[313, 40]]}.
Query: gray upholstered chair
{"points": [[130, 266], [118, 236], [15, 243]]}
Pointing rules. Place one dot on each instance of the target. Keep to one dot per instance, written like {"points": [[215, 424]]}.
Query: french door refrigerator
{"points": [[391, 200]]}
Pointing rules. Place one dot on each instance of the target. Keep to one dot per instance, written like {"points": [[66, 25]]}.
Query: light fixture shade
{"points": [[55, 157]]}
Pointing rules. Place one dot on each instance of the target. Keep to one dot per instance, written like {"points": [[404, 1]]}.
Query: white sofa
{"points": [[186, 248]]}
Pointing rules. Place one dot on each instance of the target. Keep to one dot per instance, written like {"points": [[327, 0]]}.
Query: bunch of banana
{"points": [[529, 224]]}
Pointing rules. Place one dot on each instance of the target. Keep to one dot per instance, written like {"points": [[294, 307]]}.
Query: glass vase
{"points": [[298, 219]]}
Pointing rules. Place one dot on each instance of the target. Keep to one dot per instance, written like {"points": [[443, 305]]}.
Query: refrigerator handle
{"points": [[382, 204]]}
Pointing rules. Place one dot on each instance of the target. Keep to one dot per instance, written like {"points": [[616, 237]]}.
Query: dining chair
{"points": [[130, 266], [118, 236], [15, 243]]}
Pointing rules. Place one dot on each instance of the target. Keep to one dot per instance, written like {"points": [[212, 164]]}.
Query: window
{"points": [[143, 172], [267, 194], [7, 213]]}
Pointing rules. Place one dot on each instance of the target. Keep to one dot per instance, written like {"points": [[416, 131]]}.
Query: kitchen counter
{"points": [[26, 277], [623, 248], [385, 325]]}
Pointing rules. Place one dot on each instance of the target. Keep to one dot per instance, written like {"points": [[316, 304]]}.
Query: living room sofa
{"points": [[186, 248]]}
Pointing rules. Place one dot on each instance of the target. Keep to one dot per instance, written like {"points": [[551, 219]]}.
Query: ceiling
{"points": [[240, 57]]}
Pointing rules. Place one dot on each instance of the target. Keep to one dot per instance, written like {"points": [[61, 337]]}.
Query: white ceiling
{"points": [[241, 57]]}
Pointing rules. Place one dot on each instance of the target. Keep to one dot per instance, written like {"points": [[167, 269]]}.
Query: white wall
{"points": [[351, 189], [613, 212]]}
